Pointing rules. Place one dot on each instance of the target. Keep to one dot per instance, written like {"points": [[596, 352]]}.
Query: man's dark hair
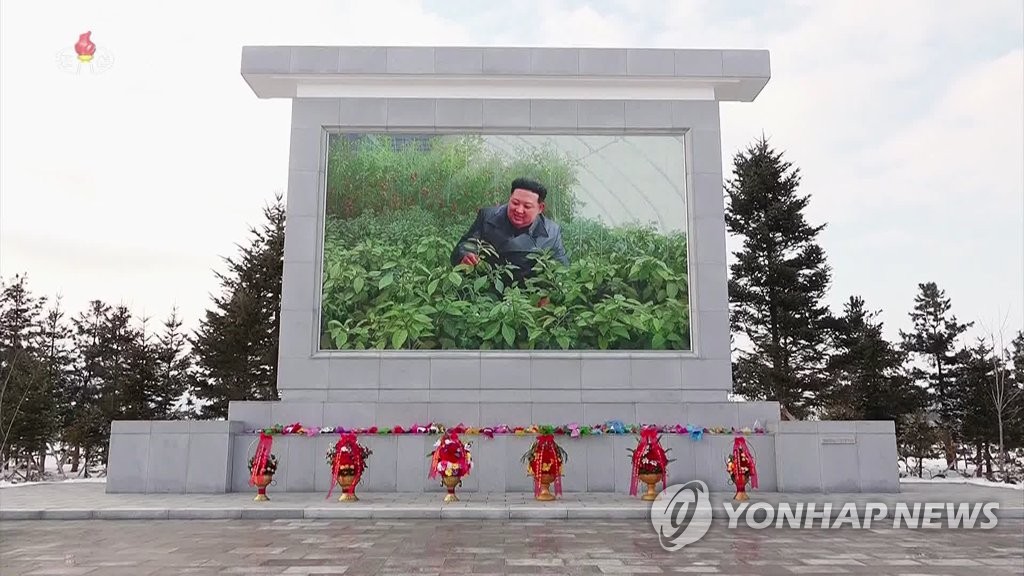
{"points": [[531, 185]]}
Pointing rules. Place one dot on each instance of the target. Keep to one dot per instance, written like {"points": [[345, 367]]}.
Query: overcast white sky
{"points": [[907, 119]]}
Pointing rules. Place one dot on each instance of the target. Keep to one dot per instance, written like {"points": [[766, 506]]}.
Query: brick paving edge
{"points": [[553, 511]]}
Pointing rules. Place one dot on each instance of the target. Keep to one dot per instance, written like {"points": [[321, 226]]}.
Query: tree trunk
{"points": [[76, 455], [1002, 448], [988, 462], [60, 457], [920, 466], [786, 414], [950, 447], [42, 462]]}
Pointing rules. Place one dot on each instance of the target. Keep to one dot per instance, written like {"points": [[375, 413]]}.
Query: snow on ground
{"points": [[53, 475], [9, 484], [973, 481], [935, 471]]}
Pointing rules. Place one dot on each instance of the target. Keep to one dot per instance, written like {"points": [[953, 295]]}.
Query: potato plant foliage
{"points": [[394, 213]]}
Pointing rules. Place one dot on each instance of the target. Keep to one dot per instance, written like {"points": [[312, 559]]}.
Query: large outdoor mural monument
{"points": [[503, 238]]}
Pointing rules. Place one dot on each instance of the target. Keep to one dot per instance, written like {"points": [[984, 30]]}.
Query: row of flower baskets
{"points": [[451, 461], [573, 430]]}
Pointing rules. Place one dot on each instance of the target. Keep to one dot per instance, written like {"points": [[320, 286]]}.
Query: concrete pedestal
{"points": [[212, 457]]}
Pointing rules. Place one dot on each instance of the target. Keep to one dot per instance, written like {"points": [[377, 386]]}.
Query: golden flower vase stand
{"points": [[652, 482], [545, 488], [451, 483], [741, 488], [346, 481], [261, 487]]}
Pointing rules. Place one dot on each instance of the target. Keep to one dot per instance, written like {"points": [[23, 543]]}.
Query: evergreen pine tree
{"points": [[934, 341], [128, 367], [970, 398], [59, 360], [917, 439], [236, 344], [28, 420], [1017, 357], [94, 384], [173, 371], [868, 379], [1014, 427], [777, 283]]}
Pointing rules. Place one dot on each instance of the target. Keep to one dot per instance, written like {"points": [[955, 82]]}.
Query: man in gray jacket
{"points": [[515, 229]]}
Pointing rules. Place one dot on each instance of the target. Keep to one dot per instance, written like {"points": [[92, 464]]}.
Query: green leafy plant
{"points": [[395, 214]]}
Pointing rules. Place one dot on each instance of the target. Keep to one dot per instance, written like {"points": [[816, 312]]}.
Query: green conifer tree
{"points": [[236, 345], [777, 284]]}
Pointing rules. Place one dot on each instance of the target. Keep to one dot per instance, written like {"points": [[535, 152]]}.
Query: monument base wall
{"points": [[212, 457]]}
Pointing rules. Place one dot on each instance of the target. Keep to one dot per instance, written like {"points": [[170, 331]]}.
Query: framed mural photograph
{"points": [[505, 242]]}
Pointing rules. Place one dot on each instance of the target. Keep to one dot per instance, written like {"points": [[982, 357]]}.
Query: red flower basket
{"points": [[650, 464], [742, 468], [545, 461], [452, 461], [347, 459]]}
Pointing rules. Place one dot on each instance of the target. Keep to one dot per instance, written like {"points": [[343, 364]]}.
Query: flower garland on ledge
{"points": [[572, 430]]}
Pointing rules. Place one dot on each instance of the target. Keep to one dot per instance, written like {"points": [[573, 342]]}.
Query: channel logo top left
{"points": [[85, 57]]}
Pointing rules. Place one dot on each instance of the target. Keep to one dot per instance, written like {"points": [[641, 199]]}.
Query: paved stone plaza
{"points": [[90, 501], [393, 534], [537, 547]]}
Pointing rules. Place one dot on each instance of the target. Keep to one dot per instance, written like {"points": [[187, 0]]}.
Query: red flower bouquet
{"points": [[544, 461], [262, 467], [742, 468], [451, 460], [650, 463], [347, 459]]}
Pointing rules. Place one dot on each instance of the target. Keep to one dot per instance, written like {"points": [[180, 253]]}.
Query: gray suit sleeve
{"points": [[559, 249], [474, 233]]}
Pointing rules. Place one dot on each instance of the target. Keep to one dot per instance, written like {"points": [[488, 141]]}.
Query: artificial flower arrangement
{"points": [[545, 461], [269, 465], [452, 461], [649, 463], [262, 467], [450, 457], [742, 468], [348, 460]]}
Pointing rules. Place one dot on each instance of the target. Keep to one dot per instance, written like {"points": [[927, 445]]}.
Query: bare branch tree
{"points": [[1005, 394]]}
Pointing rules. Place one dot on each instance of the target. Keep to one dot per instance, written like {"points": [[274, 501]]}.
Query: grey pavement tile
{"points": [[480, 546], [950, 562], [1018, 561], [62, 571], [835, 561]]}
